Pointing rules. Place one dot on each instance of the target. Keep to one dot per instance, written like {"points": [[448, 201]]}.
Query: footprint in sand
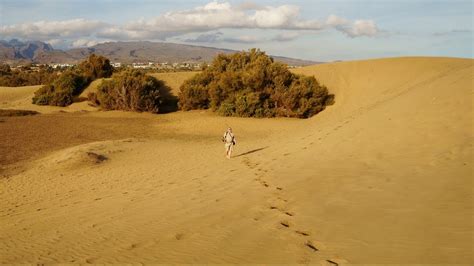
{"points": [[303, 233], [132, 246], [90, 260], [263, 183], [179, 236], [311, 245], [285, 224]]}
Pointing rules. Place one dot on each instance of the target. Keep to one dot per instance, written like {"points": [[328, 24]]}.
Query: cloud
{"points": [[206, 38], [222, 15], [218, 37], [44, 30], [203, 19], [242, 39], [83, 43], [248, 5], [219, 15], [354, 29]]}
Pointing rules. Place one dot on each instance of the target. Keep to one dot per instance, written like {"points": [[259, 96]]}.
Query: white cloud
{"points": [[44, 30], [219, 37], [83, 43], [57, 42], [213, 37], [363, 28], [207, 18], [336, 21], [354, 29], [248, 5], [275, 17]]}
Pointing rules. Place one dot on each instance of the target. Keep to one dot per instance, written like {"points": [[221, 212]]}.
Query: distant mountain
{"points": [[15, 52]]}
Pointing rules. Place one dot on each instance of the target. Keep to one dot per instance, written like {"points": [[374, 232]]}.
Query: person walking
{"points": [[229, 142]]}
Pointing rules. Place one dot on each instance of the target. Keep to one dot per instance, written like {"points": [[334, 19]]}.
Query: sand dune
{"points": [[382, 176]]}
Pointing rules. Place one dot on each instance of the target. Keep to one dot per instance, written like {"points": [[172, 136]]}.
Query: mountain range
{"points": [[21, 52]]}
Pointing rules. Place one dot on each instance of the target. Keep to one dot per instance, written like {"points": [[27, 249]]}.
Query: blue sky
{"points": [[316, 30]]}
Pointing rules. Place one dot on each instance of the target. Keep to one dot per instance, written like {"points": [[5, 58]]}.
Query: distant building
{"points": [[55, 66], [148, 65]]}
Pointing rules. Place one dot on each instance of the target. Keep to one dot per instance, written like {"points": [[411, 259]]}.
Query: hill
{"points": [[17, 51], [382, 176], [125, 52]]}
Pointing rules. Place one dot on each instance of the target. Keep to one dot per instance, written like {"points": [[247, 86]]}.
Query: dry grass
{"points": [[13, 112], [174, 79]]}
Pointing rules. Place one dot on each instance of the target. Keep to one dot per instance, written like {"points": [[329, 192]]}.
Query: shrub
{"points": [[251, 84], [62, 91], [25, 76], [130, 90], [196, 95], [95, 67]]}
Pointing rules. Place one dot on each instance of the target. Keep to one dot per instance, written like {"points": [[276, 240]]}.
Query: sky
{"points": [[320, 30]]}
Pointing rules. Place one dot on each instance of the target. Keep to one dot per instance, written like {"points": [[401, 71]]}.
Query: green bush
{"points": [[251, 84], [130, 90], [95, 67], [62, 90]]}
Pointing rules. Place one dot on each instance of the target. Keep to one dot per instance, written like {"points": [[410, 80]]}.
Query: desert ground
{"points": [[382, 176]]}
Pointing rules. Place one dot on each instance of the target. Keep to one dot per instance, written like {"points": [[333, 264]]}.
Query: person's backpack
{"points": [[225, 138]]}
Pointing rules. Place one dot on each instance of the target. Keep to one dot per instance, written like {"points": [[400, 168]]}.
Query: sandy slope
{"points": [[382, 176]]}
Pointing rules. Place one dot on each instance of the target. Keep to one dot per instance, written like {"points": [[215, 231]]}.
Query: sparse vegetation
{"points": [[95, 67], [130, 90], [251, 84], [26, 76], [13, 112], [63, 90]]}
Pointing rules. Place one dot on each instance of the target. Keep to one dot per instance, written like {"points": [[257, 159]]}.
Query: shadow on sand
{"points": [[251, 151]]}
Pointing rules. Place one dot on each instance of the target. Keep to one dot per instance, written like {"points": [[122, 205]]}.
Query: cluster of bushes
{"points": [[65, 88], [251, 84], [25, 76], [130, 90]]}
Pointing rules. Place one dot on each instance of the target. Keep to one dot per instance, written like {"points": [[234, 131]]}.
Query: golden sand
{"points": [[382, 176]]}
